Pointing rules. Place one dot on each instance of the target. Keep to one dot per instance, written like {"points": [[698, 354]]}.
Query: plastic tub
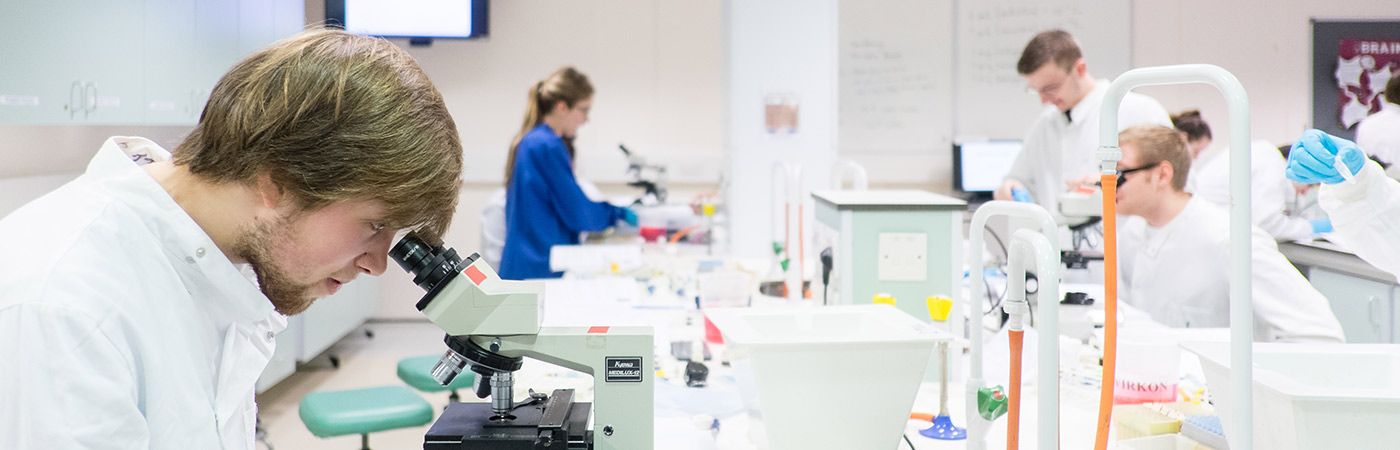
{"points": [[828, 376], [1148, 370], [723, 289], [1309, 396], [1161, 442], [651, 224]]}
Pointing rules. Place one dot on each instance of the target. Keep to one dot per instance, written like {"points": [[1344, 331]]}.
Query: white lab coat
{"points": [[122, 325], [1209, 179], [1379, 134], [493, 228], [1181, 278], [1366, 216], [1057, 150]]}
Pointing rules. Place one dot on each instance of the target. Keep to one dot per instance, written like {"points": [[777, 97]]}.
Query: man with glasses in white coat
{"points": [[1181, 276]]}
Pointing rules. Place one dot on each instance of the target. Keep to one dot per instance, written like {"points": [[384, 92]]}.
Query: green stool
{"points": [[363, 411], [417, 372]]}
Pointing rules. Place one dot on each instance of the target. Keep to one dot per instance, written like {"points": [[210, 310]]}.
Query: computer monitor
{"points": [[979, 167], [422, 19]]}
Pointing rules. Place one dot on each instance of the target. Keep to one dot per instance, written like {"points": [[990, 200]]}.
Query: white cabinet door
{"points": [[1362, 306], [332, 318], [255, 24], [216, 44], [106, 54], [91, 62], [38, 59], [71, 61], [169, 47]]}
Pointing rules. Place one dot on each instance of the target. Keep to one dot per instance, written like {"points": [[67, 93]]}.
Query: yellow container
{"points": [[1135, 421], [939, 307]]}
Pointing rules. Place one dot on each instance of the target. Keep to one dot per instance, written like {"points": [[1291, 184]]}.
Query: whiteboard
{"points": [[894, 78], [991, 99]]}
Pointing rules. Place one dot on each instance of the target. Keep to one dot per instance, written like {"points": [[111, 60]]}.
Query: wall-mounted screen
{"points": [[448, 19]]}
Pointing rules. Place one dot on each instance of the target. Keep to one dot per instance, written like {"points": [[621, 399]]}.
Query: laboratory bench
{"points": [[1364, 298], [716, 416]]}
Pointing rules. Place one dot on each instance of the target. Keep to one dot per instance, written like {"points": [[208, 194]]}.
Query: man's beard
{"points": [[255, 246]]}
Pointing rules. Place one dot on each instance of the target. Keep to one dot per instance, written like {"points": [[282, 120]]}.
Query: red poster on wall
{"points": [[1363, 68]]}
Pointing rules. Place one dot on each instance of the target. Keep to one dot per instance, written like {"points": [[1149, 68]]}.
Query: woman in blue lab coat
{"points": [[544, 205]]}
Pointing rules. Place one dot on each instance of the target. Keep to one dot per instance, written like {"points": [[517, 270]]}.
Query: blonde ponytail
{"points": [[566, 85]]}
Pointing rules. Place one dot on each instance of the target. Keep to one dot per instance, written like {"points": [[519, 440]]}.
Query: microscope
{"points": [[654, 186], [491, 325]]}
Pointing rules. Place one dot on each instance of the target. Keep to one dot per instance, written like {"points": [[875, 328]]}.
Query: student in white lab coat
{"points": [[1181, 274], [1364, 203], [1059, 150], [1379, 134], [139, 303], [1210, 180]]}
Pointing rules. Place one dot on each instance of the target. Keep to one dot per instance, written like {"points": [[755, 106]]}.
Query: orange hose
{"points": [[1013, 404], [1110, 308], [787, 251], [802, 254], [801, 248], [680, 234], [921, 416]]}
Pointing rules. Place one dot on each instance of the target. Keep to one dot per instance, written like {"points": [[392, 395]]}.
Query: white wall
{"points": [[785, 47], [657, 67], [1266, 44]]}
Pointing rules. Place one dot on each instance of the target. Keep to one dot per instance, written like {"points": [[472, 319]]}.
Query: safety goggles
{"points": [[1122, 174]]}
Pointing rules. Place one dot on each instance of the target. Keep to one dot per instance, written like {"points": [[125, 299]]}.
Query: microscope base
{"points": [[553, 424]]}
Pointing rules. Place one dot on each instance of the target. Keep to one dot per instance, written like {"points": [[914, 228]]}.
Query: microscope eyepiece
{"points": [[430, 265]]}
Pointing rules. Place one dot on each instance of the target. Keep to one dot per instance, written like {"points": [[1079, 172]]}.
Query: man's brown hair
{"points": [[1157, 143], [332, 116], [1056, 46]]}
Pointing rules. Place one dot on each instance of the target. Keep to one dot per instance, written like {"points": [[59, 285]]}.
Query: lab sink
{"points": [[827, 376], [1311, 396]]}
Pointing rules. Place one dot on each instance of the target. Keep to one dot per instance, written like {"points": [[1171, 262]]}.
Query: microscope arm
{"points": [[575, 348]]}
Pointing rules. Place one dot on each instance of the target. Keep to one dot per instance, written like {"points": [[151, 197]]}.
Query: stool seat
{"points": [[417, 372], [363, 411]]}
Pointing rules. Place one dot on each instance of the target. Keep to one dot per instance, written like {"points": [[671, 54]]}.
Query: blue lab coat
{"points": [[545, 207]]}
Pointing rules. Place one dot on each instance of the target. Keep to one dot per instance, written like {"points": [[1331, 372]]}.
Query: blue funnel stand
{"points": [[943, 429]]}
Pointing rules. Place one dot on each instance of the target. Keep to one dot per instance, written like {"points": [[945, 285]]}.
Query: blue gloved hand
{"points": [[1313, 158], [629, 216], [1323, 225], [1021, 195]]}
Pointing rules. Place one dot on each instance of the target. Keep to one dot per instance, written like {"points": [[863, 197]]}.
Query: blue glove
{"points": [[1021, 195], [1323, 225], [1313, 158], [629, 216]]}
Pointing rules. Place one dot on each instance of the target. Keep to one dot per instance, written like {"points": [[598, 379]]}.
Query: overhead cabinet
{"points": [[112, 62]]}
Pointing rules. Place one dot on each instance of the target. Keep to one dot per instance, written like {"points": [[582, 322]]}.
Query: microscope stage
{"points": [[553, 424]]}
